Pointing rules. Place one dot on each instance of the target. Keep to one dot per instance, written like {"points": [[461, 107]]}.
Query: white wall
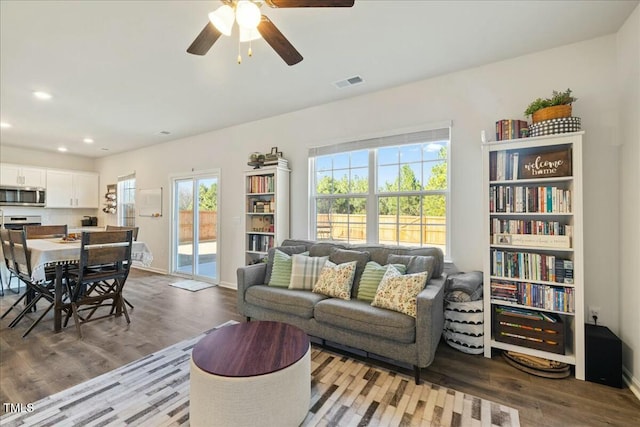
{"points": [[473, 99], [628, 45]]}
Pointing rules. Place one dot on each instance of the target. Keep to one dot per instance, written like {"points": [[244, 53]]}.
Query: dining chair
{"points": [[105, 259], [35, 290], [8, 260], [7, 254], [122, 227], [45, 231]]}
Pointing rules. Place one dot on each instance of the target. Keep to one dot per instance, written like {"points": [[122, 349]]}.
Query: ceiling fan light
{"points": [[222, 18], [247, 14], [249, 34]]}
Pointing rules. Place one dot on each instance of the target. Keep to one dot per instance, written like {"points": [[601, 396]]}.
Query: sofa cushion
{"points": [[340, 256], [414, 263], [289, 250], [296, 302], [324, 248], [305, 271], [371, 277], [399, 292], [361, 317], [438, 268], [336, 280], [377, 253]]}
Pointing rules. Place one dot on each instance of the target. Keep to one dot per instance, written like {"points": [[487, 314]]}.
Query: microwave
{"points": [[20, 196]]}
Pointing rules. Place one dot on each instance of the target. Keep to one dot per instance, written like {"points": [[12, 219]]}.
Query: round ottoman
{"points": [[251, 374]]}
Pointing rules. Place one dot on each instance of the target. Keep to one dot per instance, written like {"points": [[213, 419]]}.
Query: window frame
{"points": [[122, 216], [421, 135]]}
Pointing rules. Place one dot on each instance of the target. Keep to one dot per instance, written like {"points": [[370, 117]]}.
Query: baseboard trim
{"points": [[632, 383], [151, 269], [228, 285]]}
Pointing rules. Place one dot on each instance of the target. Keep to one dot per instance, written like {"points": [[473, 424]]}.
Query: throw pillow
{"points": [[289, 250], [398, 293], [336, 280], [281, 271], [305, 271], [341, 256], [371, 277]]}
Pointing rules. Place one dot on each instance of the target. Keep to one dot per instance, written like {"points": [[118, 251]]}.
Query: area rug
{"points": [[154, 391], [192, 285]]}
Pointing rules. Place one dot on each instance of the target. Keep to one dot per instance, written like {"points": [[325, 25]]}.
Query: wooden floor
{"points": [[44, 362]]}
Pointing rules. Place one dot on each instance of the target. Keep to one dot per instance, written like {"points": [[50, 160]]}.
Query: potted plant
{"points": [[559, 105]]}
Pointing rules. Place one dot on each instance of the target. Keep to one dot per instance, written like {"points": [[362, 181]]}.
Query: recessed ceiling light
{"points": [[42, 95], [88, 141], [62, 149], [5, 125]]}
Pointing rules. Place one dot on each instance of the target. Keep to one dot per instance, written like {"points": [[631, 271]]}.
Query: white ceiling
{"points": [[119, 72]]}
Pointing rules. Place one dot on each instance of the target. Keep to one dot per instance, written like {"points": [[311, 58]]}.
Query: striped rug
{"points": [[154, 391]]}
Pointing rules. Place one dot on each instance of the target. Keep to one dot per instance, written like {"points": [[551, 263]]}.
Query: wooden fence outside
{"points": [[339, 226], [208, 226]]}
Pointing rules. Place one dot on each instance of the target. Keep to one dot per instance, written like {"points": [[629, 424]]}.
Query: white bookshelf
{"points": [[266, 209], [518, 271]]}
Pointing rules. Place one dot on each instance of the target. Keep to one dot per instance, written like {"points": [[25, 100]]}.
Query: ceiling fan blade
{"points": [[278, 41], [205, 40], [310, 3]]}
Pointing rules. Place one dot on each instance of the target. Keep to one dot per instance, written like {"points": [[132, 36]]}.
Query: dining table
{"points": [[59, 253]]}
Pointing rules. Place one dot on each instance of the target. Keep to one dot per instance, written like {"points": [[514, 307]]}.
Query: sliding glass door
{"points": [[195, 226]]}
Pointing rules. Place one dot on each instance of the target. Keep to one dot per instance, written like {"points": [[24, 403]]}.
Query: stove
{"points": [[17, 222]]}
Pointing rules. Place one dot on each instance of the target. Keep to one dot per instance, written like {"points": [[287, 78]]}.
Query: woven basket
{"points": [[555, 112]]}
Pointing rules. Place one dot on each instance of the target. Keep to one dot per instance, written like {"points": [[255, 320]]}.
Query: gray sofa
{"points": [[353, 323]]}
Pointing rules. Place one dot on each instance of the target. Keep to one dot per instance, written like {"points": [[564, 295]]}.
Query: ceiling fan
{"points": [[254, 25]]}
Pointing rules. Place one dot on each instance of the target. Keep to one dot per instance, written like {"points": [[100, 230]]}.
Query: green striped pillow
{"points": [[371, 277], [281, 272], [305, 271]]}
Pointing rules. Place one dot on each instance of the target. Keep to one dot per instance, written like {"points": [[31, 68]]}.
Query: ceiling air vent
{"points": [[351, 81]]}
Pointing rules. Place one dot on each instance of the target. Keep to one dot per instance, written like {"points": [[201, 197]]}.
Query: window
{"points": [[127, 200], [389, 190]]}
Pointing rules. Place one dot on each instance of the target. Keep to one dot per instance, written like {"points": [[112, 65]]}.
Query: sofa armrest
{"points": [[430, 319], [248, 276]]}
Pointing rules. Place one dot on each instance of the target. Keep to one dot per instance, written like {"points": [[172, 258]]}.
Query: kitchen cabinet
{"points": [[70, 189], [22, 176]]}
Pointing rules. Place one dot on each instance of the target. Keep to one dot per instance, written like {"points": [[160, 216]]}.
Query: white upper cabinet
{"points": [[22, 176], [67, 189]]}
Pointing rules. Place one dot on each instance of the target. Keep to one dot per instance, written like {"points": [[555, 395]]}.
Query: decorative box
{"points": [[554, 126], [526, 332]]}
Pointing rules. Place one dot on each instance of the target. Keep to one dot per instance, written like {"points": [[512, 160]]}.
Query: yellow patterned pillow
{"points": [[398, 292], [336, 280]]}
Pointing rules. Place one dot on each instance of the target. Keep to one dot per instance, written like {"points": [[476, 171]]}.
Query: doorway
{"points": [[195, 226]]}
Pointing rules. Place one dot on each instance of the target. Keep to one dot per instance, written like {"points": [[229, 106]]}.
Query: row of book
{"points": [[260, 206], [260, 184], [534, 295], [504, 166], [511, 129], [531, 266], [260, 243], [533, 226], [521, 199]]}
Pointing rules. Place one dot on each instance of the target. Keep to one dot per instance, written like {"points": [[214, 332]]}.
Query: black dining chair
{"points": [[105, 259], [35, 291], [8, 261]]}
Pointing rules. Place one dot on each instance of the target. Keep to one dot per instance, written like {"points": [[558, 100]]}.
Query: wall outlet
{"points": [[594, 311]]}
